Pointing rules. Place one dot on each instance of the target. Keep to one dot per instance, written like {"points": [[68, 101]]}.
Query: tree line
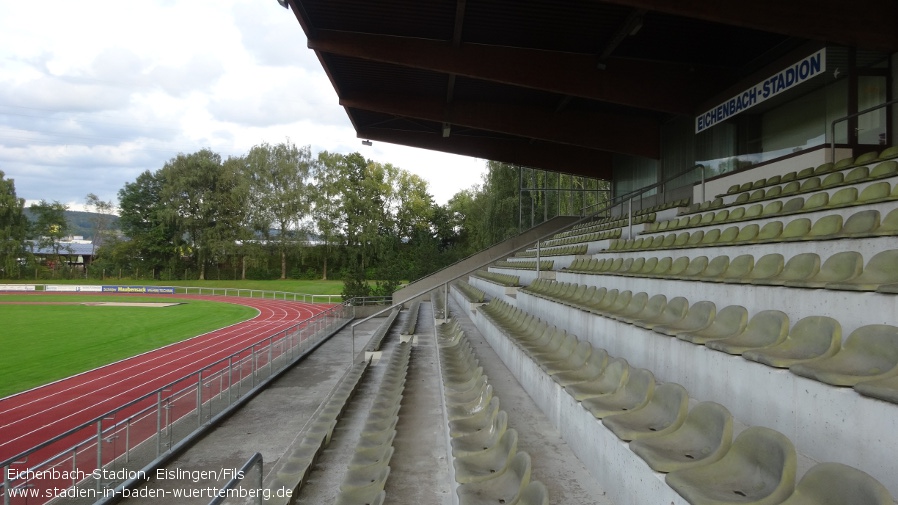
{"points": [[276, 212]]}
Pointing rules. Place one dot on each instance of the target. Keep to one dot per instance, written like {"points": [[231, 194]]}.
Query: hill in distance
{"points": [[80, 222]]}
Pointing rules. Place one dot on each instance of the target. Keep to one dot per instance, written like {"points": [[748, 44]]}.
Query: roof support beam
{"points": [[625, 134], [630, 27], [552, 157], [868, 24], [665, 87]]}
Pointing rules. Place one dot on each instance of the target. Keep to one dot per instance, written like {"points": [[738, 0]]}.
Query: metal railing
{"points": [[369, 301], [255, 461], [258, 293], [100, 458], [832, 126]]}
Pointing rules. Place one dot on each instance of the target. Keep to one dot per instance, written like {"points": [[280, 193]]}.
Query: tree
{"points": [[233, 225], [281, 191], [49, 227], [13, 227], [363, 206], [154, 238], [206, 200], [102, 216], [327, 203], [415, 208]]}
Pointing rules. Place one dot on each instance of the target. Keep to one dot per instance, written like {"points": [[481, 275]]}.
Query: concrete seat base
{"points": [[884, 389]]}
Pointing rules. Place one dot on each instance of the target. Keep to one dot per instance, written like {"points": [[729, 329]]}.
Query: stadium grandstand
{"points": [[725, 330]]}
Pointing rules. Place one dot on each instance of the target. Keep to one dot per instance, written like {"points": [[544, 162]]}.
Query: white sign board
{"points": [[17, 287], [786, 79]]}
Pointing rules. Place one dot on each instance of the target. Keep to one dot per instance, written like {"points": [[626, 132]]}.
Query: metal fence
{"points": [[370, 301], [258, 293], [187, 290], [94, 461]]}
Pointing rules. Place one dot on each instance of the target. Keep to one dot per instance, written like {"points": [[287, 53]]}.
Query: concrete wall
{"points": [[626, 477], [825, 423]]}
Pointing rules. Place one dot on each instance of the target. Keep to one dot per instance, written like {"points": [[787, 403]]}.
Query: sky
{"points": [[94, 92]]}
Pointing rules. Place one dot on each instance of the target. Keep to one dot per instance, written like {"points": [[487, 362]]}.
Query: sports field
{"points": [[50, 337]]}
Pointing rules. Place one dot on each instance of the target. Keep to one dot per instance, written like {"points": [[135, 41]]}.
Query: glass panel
{"points": [[871, 127]]}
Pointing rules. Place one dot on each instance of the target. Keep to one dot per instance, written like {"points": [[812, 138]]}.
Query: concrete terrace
{"points": [[420, 466]]}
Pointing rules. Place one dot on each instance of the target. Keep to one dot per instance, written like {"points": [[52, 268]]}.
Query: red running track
{"points": [[32, 417]]}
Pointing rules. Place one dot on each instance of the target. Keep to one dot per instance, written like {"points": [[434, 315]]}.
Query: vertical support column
{"points": [[520, 199], [158, 423], [352, 349], [558, 192], [99, 450], [6, 497], [253, 366], [199, 399], [703, 182], [74, 466], [446, 300], [570, 194], [630, 219], [538, 252], [230, 376], [270, 355], [530, 193]]}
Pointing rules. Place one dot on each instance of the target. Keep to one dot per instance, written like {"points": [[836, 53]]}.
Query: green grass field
{"points": [[44, 343]]}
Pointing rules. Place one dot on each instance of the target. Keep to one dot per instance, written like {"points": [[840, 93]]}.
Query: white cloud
{"points": [[93, 93]]}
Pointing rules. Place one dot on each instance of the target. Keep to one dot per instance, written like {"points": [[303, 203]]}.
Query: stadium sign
{"points": [[17, 287], [156, 290], [72, 288], [786, 79]]}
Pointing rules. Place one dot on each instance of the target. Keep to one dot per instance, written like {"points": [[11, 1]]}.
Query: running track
{"points": [[32, 417]]}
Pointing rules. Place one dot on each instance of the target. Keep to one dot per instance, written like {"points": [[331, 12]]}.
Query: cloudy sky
{"points": [[94, 92]]}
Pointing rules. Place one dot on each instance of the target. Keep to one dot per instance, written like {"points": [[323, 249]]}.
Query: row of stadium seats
{"points": [[696, 448], [469, 292], [565, 250], [813, 348], [367, 472], [865, 223], [411, 322], [381, 332], [843, 271], [526, 265], [488, 466], [506, 280], [845, 197], [316, 435], [573, 240], [663, 206], [825, 168]]}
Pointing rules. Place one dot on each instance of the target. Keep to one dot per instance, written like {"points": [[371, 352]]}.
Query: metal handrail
{"points": [[466, 258], [446, 283], [254, 460], [638, 192], [832, 127], [366, 301]]}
